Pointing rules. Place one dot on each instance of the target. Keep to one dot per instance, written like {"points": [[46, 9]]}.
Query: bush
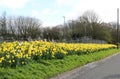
{"points": [[79, 53], [46, 55], [59, 55]]}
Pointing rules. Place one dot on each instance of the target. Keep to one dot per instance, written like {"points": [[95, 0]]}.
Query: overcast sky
{"points": [[51, 12]]}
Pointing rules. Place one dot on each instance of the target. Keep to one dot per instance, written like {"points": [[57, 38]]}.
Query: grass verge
{"points": [[48, 68]]}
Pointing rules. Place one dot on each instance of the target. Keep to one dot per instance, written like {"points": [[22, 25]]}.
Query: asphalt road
{"points": [[108, 68]]}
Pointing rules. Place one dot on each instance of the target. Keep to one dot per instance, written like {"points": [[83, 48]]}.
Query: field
{"points": [[41, 59]]}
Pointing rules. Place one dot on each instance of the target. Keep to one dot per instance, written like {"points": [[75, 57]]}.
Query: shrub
{"points": [[59, 55]]}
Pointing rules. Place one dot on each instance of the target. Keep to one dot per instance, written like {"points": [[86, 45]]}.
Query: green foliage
{"points": [[70, 52], [59, 55], [36, 57], [46, 55], [48, 68]]}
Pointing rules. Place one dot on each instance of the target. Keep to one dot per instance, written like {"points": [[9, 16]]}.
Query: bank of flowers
{"points": [[20, 53]]}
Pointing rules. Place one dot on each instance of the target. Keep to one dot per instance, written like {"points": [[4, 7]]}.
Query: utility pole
{"points": [[64, 28], [64, 20], [117, 28]]}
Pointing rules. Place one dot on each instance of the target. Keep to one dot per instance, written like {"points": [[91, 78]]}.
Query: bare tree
{"points": [[89, 17], [27, 27], [3, 25]]}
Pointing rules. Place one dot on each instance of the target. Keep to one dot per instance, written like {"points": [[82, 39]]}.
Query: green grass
{"points": [[48, 68]]}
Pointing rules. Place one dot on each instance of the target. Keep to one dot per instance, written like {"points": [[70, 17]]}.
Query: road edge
{"points": [[82, 69]]}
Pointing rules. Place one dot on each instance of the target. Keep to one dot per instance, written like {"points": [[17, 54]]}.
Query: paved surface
{"points": [[108, 68]]}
